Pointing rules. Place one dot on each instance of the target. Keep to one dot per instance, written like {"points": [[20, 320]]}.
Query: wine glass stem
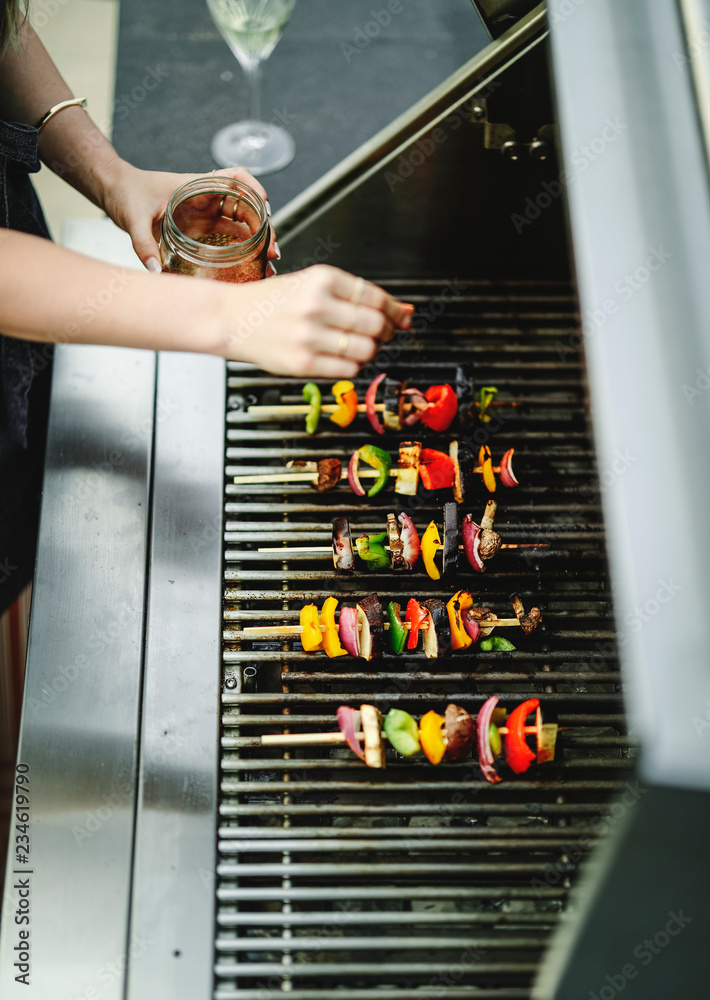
{"points": [[252, 71]]}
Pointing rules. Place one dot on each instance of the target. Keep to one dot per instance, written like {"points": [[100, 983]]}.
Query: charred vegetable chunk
{"points": [[343, 559], [451, 539], [329, 471], [437, 638], [460, 732], [371, 623], [465, 388], [396, 543], [371, 719], [408, 468], [371, 549]]}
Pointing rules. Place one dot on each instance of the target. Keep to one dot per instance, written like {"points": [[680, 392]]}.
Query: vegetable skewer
{"points": [[360, 630], [436, 469], [480, 544], [451, 737]]}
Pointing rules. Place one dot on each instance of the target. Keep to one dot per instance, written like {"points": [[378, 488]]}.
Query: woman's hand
{"points": [[136, 201], [317, 322]]}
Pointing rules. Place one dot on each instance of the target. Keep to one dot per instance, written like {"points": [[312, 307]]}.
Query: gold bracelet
{"points": [[79, 101]]}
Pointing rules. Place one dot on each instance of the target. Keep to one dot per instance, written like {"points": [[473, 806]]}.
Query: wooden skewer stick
{"points": [[329, 548], [265, 632], [302, 409], [305, 474], [296, 739]]}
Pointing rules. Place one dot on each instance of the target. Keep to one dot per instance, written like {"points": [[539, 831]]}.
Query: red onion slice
{"points": [[507, 476], [347, 627], [471, 626], [486, 760], [353, 478], [370, 404], [471, 542], [419, 402], [349, 722], [410, 539]]}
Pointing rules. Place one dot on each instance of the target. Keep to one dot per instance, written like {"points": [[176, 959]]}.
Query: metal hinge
{"points": [[502, 137]]}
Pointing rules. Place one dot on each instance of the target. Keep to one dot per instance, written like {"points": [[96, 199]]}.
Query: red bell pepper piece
{"points": [[443, 407], [436, 469], [517, 753], [416, 616]]}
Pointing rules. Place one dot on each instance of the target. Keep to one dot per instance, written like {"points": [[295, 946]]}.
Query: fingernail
{"points": [[406, 323], [268, 208], [276, 250], [153, 264]]}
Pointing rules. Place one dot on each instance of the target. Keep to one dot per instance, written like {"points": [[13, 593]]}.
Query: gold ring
{"points": [[343, 344], [357, 291]]}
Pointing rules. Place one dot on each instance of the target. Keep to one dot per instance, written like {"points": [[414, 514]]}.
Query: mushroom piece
{"points": [[460, 731], [528, 621], [329, 471]]}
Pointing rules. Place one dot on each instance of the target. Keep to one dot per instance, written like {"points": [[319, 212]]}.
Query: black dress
{"points": [[25, 373]]}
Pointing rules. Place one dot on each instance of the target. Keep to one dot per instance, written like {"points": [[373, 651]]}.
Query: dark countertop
{"points": [[336, 78]]}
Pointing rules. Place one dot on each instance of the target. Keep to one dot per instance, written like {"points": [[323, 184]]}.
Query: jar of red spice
{"points": [[215, 227]]}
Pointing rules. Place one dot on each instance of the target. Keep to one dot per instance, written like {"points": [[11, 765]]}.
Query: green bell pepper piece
{"points": [[495, 740], [401, 730], [496, 644], [371, 548], [380, 461], [397, 632], [312, 395], [488, 394]]}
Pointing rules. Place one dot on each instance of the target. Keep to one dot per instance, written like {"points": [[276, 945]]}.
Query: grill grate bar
{"points": [[467, 833], [402, 843], [564, 718], [417, 808], [427, 677], [418, 893], [466, 697], [230, 970], [453, 992], [381, 917], [367, 943]]}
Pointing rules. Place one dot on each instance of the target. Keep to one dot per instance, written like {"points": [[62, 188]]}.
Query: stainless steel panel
{"points": [[404, 203], [173, 883], [82, 693], [640, 212]]}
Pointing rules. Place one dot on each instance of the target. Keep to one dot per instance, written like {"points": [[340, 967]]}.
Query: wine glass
{"points": [[252, 28]]}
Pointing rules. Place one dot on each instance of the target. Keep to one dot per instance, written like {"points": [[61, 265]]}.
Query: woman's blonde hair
{"points": [[13, 12]]}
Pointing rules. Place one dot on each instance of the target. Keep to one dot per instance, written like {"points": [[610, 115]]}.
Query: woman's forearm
{"points": [[51, 294], [306, 323]]}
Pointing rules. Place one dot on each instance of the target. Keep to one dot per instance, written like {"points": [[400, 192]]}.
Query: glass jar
{"points": [[215, 227]]}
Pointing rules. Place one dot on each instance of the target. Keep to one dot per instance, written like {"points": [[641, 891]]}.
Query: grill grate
{"points": [[415, 882]]}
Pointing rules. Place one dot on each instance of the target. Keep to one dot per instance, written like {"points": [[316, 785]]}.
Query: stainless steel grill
{"points": [[191, 861], [416, 881]]}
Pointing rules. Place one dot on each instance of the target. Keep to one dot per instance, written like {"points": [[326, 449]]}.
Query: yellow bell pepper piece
{"points": [[431, 736], [346, 399], [486, 462], [459, 603], [431, 543], [331, 636], [311, 638]]}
